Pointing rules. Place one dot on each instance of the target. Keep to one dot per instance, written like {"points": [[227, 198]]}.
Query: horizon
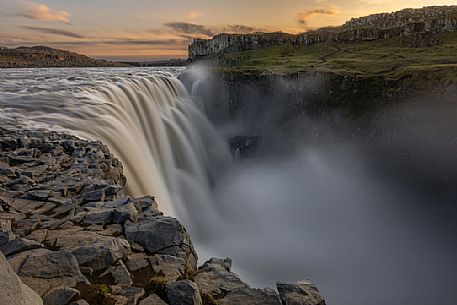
{"points": [[144, 31]]}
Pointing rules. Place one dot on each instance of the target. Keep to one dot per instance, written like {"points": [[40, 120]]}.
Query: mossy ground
{"points": [[382, 57]]}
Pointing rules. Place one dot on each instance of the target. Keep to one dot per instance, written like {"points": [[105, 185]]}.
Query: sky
{"points": [[157, 29]]}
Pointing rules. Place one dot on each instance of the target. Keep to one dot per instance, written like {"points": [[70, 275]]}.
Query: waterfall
{"points": [[146, 117]]}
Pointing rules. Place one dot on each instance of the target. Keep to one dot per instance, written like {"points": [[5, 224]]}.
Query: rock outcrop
{"points": [[40, 57], [12, 290], [410, 25], [71, 236]]}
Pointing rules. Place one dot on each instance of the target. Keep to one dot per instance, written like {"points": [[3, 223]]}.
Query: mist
{"points": [[366, 208]]}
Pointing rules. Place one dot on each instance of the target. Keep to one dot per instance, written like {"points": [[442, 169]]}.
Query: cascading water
{"points": [[146, 117], [322, 211]]}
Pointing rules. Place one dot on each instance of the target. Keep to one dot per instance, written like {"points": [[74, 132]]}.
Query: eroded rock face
{"points": [[70, 234], [417, 23]]}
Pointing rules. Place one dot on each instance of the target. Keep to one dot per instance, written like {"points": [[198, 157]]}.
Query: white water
{"points": [[145, 116], [320, 212]]}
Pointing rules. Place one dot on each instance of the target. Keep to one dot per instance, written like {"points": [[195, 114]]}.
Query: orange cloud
{"points": [[194, 15], [302, 17], [38, 11]]}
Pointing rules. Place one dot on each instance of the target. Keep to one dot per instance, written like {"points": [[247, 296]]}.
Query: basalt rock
{"points": [[419, 24], [302, 293], [73, 237], [12, 290]]}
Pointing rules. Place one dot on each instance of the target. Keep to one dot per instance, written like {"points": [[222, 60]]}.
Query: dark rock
{"points": [[59, 296], [301, 293], [250, 296], [153, 299], [131, 294], [13, 291], [215, 278], [90, 249], [43, 270], [184, 292], [163, 235], [19, 245]]}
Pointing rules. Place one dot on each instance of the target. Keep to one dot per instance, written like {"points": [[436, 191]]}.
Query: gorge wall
{"points": [[408, 24]]}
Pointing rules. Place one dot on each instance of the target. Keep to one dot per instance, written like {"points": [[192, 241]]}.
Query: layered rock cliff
{"points": [[71, 235], [419, 24]]}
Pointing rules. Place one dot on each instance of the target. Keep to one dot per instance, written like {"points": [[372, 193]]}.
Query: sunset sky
{"points": [[151, 29]]}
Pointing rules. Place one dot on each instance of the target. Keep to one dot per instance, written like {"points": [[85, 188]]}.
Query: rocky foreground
{"points": [[69, 235]]}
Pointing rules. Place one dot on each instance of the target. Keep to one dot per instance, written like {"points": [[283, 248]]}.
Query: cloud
{"points": [[189, 28], [54, 31], [303, 16], [121, 41], [241, 29], [38, 11], [194, 15]]}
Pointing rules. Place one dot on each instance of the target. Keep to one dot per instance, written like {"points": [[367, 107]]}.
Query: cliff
{"points": [[45, 57], [72, 236], [408, 24]]}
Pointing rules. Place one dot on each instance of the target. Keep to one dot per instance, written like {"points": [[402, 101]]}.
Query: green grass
{"points": [[382, 57]]}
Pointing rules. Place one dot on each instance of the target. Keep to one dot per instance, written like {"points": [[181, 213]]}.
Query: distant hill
{"points": [[45, 57]]}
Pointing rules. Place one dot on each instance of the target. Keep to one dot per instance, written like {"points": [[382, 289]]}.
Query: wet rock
{"points": [[301, 293], [59, 296], [13, 291], [184, 292]]}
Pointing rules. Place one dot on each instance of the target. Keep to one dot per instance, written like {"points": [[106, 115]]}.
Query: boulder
{"points": [[301, 293], [12, 290], [59, 296], [121, 275], [44, 270], [90, 248], [243, 296], [184, 292], [117, 212], [215, 278], [19, 245], [163, 235], [167, 267], [153, 299], [130, 294]]}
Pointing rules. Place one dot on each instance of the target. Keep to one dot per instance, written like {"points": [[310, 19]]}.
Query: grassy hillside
{"points": [[371, 58]]}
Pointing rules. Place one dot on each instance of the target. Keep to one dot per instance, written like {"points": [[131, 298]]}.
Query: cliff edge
{"points": [[412, 26], [71, 235]]}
